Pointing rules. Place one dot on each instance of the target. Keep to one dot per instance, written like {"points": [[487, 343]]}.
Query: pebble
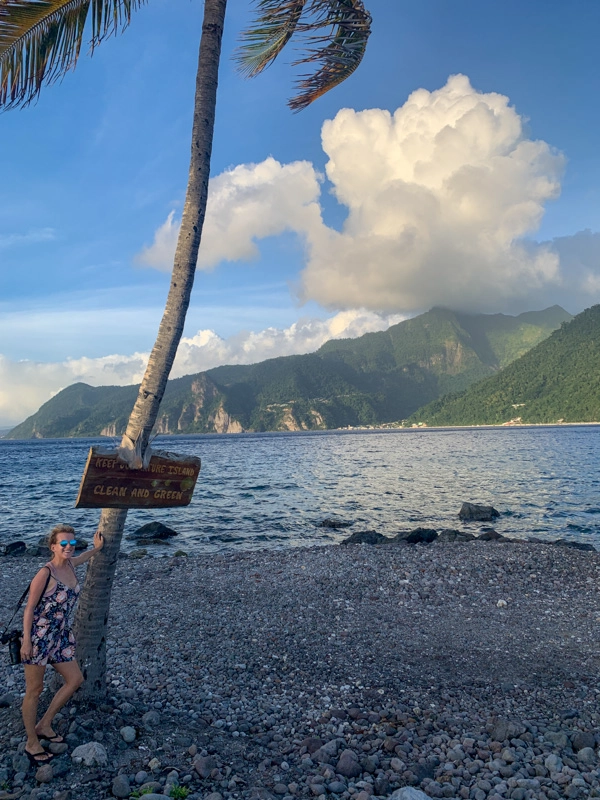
{"points": [[395, 665]]}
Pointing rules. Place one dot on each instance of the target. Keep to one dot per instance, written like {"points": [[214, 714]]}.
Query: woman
{"points": [[47, 636]]}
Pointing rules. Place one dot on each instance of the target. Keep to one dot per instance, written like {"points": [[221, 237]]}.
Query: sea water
{"points": [[273, 490]]}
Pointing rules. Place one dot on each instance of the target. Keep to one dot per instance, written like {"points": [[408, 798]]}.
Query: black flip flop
{"points": [[35, 759]]}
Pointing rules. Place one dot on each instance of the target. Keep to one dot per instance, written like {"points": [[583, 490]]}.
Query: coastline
{"points": [[404, 656]]}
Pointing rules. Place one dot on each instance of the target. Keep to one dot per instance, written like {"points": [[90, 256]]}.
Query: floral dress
{"points": [[51, 635]]}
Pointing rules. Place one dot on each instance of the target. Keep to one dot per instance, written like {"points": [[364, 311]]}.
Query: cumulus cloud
{"points": [[440, 195], [249, 202], [26, 385], [443, 199]]}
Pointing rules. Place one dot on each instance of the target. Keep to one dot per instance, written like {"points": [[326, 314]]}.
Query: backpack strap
{"points": [[24, 595]]}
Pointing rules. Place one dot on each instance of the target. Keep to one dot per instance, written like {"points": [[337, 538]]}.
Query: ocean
{"points": [[272, 490]]}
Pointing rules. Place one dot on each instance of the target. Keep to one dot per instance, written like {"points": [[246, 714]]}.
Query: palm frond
{"points": [[274, 25], [40, 40], [339, 52]]}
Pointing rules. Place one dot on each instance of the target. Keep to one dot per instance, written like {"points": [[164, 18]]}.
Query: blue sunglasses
{"points": [[64, 542]]}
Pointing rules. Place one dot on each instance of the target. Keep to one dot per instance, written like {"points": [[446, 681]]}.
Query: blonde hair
{"points": [[56, 530]]}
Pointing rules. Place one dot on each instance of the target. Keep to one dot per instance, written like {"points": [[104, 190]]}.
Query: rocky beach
{"points": [[455, 669]]}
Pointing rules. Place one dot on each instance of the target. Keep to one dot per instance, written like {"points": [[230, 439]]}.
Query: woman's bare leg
{"points": [[34, 684], [70, 672]]}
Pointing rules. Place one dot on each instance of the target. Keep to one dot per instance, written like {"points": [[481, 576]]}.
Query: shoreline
{"points": [[403, 656], [358, 429]]}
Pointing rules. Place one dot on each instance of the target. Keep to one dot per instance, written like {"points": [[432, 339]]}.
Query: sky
{"points": [[458, 166]]}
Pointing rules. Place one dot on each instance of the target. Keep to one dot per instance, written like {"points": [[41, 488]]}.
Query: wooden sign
{"points": [[108, 482]]}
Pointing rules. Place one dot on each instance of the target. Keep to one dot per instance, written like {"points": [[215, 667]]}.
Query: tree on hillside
{"points": [[39, 41]]}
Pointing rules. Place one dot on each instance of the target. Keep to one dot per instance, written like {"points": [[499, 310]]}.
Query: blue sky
{"points": [[91, 172]]}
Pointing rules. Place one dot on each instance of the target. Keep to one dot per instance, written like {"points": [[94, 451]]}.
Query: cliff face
{"points": [[376, 379]]}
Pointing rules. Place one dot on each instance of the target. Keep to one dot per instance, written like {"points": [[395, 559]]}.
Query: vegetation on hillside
{"points": [[556, 381], [374, 379]]}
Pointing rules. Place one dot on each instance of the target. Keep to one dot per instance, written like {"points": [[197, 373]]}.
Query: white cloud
{"points": [[439, 196], [443, 199], [26, 385], [249, 202], [31, 237]]}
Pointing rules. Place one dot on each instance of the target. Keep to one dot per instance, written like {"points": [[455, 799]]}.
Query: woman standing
{"points": [[48, 638]]}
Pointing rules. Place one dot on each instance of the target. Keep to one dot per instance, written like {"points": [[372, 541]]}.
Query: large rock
{"points": [[409, 793], [92, 754], [472, 511], [365, 537], [15, 549], [120, 786], [490, 535], [451, 535], [204, 765], [417, 536], [348, 765], [575, 545], [330, 522], [582, 739], [153, 531]]}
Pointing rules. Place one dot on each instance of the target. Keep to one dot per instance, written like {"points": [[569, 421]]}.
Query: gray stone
{"points": [[15, 549], [120, 786], [153, 531], [409, 793], [490, 535], [417, 536], [348, 765], [583, 739], [336, 787], [140, 777], [366, 537], [214, 796], [20, 763], [503, 729], [329, 522], [58, 748], [472, 511], [312, 744], [450, 535], [574, 545], [151, 719], [280, 788], [44, 774], [7, 699], [204, 765], [128, 734], [557, 738], [587, 755], [92, 754]]}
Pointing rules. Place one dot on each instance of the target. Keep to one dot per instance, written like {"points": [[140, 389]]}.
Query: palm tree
{"points": [[40, 40]]}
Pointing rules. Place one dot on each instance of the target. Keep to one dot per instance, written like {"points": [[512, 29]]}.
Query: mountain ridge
{"points": [[554, 382], [380, 377]]}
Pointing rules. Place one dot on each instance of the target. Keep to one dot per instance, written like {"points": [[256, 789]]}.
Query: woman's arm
{"points": [[98, 545], [35, 594]]}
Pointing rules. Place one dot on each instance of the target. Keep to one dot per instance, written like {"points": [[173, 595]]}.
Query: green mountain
{"points": [[377, 378], [557, 381]]}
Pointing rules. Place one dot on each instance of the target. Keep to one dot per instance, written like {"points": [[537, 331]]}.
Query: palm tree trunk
{"points": [[92, 615]]}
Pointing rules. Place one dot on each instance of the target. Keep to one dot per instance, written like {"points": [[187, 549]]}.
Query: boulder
{"points": [[490, 535], [348, 765], [575, 545], [204, 765], [451, 535], [15, 549], [409, 793], [583, 739], [153, 532], [472, 511], [365, 537], [92, 754], [120, 786], [330, 522], [417, 536]]}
